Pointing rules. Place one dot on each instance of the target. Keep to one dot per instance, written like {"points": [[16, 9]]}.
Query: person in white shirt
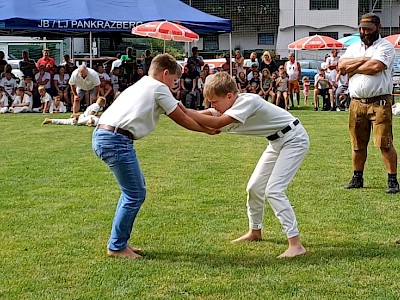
{"points": [[85, 83], [22, 102], [57, 106], [89, 118], [132, 116], [3, 102], [10, 85], [45, 100], [249, 114]]}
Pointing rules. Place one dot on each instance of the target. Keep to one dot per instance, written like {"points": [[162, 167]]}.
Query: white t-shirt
{"points": [[9, 85], [25, 99], [4, 101], [114, 82], [45, 98], [92, 80], [292, 70], [139, 107], [366, 86], [256, 116], [104, 76], [332, 61], [61, 83], [45, 76], [92, 108], [116, 64], [60, 108]]}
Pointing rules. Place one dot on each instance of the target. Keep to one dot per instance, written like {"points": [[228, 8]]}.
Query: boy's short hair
{"points": [[56, 98], [165, 62], [41, 87], [219, 84], [21, 89]]}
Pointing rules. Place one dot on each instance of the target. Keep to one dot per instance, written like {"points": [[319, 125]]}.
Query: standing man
{"points": [[293, 71], [129, 63], [84, 82], [26, 64], [368, 64], [196, 59], [146, 61], [46, 60]]}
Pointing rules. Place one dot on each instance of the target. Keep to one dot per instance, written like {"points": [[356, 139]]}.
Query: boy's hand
{"points": [[213, 131]]}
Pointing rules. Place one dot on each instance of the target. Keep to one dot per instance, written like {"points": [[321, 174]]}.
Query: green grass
{"points": [[57, 201]]}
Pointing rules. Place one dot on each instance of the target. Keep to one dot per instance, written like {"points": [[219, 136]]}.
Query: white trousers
{"points": [[19, 109], [63, 121], [3, 110], [82, 120], [274, 171]]}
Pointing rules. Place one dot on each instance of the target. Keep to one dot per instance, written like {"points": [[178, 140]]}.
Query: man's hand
{"points": [[77, 98]]}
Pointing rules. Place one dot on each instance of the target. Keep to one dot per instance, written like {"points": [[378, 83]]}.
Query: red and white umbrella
{"points": [[315, 42], [167, 31], [394, 39]]}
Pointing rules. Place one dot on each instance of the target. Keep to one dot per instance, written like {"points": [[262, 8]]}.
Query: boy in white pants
{"points": [[3, 102], [249, 114], [89, 118], [22, 102]]}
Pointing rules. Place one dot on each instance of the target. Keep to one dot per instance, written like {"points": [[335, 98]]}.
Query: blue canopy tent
{"points": [[77, 17]]}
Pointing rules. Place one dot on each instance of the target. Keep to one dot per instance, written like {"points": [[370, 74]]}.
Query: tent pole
{"points": [[90, 49], [230, 53]]}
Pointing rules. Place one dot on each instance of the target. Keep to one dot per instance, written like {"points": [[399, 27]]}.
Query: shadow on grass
{"points": [[318, 254]]}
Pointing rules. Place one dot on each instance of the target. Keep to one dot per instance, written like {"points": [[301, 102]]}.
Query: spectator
{"points": [[242, 82], [3, 101], [9, 84], [115, 80], [57, 106], [116, 63], [228, 64], [200, 87], [22, 102], [342, 98], [85, 83], [189, 94], [46, 60], [266, 86], [206, 69], [44, 78], [306, 88], [254, 67], [293, 70], [60, 84], [129, 62], [268, 63], [253, 61], [254, 83], [3, 62], [26, 65], [67, 61], [28, 86], [282, 89], [146, 61], [239, 62], [196, 59], [322, 87], [45, 99]]}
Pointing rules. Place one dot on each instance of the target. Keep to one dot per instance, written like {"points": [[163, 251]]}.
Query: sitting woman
{"points": [[44, 78], [242, 82], [61, 86], [266, 86]]}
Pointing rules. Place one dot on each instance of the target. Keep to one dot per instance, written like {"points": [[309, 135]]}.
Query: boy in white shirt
{"points": [[10, 86], [22, 102], [45, 99], [3, 102], [249, 114], [132, 116], [57, 106], [89, 118]]}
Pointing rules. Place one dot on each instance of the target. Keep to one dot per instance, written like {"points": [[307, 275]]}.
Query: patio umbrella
{"points": [[350, 39], [167, 31], [394, 39], [315, 42]]}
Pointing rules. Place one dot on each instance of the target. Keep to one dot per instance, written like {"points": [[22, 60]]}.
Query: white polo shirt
{"points": [[366, 86], [139, 107], [92, 80], [255, 116]]}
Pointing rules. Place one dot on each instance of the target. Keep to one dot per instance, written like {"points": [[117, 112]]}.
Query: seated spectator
{"points": [[206, 69], [282, 86], [200, 87], [254, 67], [239, 62], [138, 74], [226, 67], [115, 80], [3, 102], [254, 83], [44, 78], [61, 86], [189, 95], [266, 85], [253, 61], [242, 82], [57, 106], [89, 118], [45, 100], [322, 87], [22, 102], [342, 99], [9, 85], [8, 69], [176, 89]]}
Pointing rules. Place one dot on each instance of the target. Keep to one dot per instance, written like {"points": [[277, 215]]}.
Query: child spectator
{"points": [[57, 106], [115, 80], [255, 83], [282, 89], [10, 85], [22, 102], [266, 85], [176, 89], [45, 99], [242, 82], [306, 88], [3, 102], [61, 86], [89, 118], [249, 114], [200, 87]]}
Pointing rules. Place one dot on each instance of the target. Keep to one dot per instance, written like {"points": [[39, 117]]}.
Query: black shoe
{"points": [[393, 187], [355, 183], [316, 108]]}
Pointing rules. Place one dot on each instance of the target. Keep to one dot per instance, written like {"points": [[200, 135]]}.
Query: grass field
{"points": [[57, 202]]}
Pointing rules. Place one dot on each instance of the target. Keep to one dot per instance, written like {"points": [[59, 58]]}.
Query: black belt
{"points": [[118, 130], [372, 99], [276, 135]]}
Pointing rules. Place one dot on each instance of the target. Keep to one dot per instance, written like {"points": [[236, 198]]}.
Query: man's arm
{"points": [[210, 121], [184, 120], [96, 92], [299, 68], [349, 65]]}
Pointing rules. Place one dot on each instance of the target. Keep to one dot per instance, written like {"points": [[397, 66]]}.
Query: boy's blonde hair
{"points": [[219, 84], [101, 100], [165, 62], [41, 87]]}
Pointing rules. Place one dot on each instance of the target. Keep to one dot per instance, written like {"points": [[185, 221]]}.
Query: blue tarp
{"points": [[103, 15]]}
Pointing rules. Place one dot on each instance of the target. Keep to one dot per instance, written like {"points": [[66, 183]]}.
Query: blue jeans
{"points": [[117, 151]]}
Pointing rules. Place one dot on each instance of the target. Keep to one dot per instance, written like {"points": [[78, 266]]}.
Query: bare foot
{"points": [[46, 121], [253, 235], [134, 249], [125, 253], [293, 251]]}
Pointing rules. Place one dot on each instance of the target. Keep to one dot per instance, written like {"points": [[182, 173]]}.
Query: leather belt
{"points": [[118, 130], [372, 99], [280, 133]]}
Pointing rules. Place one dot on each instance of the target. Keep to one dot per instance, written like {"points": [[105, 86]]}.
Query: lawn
{"points": [[57, 202]]}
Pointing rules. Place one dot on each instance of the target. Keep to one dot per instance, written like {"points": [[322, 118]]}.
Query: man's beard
{"points": [[369, 39]]}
